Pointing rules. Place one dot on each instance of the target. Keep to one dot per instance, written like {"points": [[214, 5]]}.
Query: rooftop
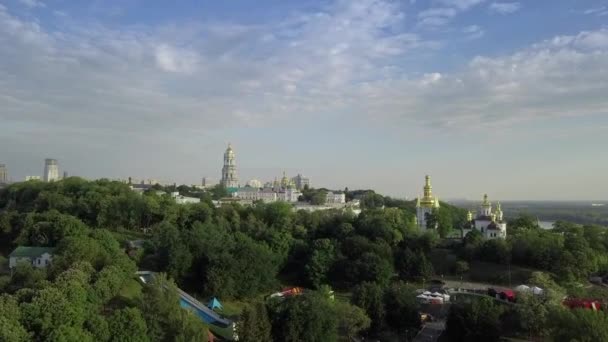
{"points": [[31, 252]]}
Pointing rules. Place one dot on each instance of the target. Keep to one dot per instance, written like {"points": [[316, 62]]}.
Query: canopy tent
{"points": [[522, 288], [214, 303], [427, 293], [537, 290], [437, 294]]}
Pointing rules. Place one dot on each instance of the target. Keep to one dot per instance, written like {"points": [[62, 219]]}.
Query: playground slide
{"points": [[207, 315], [188, 302]]}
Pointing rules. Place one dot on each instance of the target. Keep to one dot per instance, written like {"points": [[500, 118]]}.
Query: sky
{"points": [[508, 98]]}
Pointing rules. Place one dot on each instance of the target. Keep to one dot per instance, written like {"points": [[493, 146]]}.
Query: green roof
{"points": [[31, 252]]}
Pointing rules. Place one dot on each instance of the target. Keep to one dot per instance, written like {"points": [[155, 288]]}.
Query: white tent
{"points": [[427, 293], [522, 288], [437, 294], [537, 290]]}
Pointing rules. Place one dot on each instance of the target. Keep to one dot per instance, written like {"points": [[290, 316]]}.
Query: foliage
{"points": [[255, 324], [475, 321], [166, 320], [370, 297], [351, 320], [580, 325], [309, 317], [401, 308], [127, 325]]}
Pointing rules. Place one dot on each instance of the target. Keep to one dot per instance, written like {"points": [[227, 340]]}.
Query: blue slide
{"points": [[186, 301]]}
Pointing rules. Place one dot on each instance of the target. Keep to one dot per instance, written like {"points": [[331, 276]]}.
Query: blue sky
{"points": [[504, 97]]}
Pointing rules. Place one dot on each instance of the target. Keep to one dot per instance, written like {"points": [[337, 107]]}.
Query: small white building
{"points": [[488, 222], [289, 195], [179, 199], [39, 257], [333, 197], [268, 195]]}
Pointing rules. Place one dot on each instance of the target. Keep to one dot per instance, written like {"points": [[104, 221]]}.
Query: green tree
{"points": [[401, 308], [305, 318], [48, 228], [475, 321], [413, 264], [10, 316], [370, 297], [444, 222], [461, 267], [127, 325], [319, 198], [320, 262], [165, 319], [351, 320], [580, 325], [255, 324]]}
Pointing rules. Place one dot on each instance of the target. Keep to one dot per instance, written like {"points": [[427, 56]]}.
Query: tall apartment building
{"points": [[3, 174], [51, 170]]}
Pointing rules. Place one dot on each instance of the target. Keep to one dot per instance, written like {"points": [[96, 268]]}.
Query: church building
{"points": [[229, 177], [426, 205], [488, 222]]}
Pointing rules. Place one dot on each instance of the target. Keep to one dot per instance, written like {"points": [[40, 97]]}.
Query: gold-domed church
{"points": [[489, 222], [426, 204]]}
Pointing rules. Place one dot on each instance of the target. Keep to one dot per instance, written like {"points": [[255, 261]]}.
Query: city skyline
{"points": [[365, 94]]}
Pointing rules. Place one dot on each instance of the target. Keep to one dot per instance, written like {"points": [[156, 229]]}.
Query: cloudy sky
{"points": [[504, 97]]}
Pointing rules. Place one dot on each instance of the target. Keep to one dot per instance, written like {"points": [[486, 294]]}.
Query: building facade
{"points": [[426, 205], [229, 175], [335, 198], [32, 178], [254, 183], [3, 174], [179, 199], [39, 257], [489, 222], [51, 170], [268, 195], [301, 182]]}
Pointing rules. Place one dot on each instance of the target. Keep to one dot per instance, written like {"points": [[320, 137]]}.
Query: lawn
{"points": [[498, 273]]}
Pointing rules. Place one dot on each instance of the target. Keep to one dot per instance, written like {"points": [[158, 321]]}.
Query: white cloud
{"points": [[175, 60], [599, 11], [344, 59], [435, 17], [461, 4], [32, 3], [505, 7], [565, 76], [473, 32]]}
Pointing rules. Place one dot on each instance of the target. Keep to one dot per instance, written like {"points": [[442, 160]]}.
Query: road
{"points": [[457, 284], [430, 332]]}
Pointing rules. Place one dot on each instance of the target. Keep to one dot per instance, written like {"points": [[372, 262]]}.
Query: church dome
{"points": [[229, 150]]}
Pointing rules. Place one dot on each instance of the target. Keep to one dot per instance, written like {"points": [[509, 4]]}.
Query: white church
{"points": [[489, 222]]}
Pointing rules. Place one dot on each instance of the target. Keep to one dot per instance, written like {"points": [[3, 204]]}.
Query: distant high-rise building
{"points": [[301, 182], [65, 174], [229, 176], [51, 170], [207, 183], [3, 174]]}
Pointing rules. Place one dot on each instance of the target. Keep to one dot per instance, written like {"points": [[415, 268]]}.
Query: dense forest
{"points": [[374, 262]]}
